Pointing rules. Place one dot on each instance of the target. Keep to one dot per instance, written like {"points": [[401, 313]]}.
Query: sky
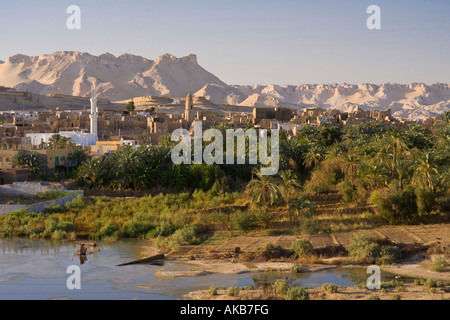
{"points": [[248, 42]]}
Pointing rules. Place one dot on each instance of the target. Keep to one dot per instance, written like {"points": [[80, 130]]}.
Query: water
{"points": [[36, 269]]}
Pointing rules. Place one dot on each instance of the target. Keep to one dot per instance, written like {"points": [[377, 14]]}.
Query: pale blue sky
{"points": [[248, 41]]}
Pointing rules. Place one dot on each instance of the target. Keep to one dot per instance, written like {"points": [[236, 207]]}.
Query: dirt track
{"points": [[408, 292]]}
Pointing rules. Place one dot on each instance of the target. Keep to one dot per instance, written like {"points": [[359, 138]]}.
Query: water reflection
{"points": [[311, 279], [83, 258]]}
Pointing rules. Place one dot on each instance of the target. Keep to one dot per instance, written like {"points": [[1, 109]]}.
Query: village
{"points": [[101, 130]]}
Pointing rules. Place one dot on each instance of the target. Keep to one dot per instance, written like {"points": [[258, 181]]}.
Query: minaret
{"points": [[188, 112], [94, 110]]}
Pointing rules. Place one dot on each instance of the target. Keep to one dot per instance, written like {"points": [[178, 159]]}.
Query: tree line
{"points": [[402, 169]]}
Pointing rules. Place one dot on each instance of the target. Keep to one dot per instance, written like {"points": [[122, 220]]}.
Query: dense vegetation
{"points": [[403, 171]]}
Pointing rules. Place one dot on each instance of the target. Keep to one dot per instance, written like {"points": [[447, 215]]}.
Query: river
{"points": [[37, 270]]}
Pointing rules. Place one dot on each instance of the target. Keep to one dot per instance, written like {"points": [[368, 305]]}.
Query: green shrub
{"points": [[362, 285], [348, 191], [321, 181], [165, 229], [245, 221], [431, 283], [264, 218], [398, 206], [271, 251], [297, 293], [389, 255], [133, 229], [330, 288], [391, 284], [395, 297], [308, 226], [302, 248], [369, 250], [72, 236], [400, 288], [108, 230], [364, 249], [373, 297], [50, 225], [54, 208], [52, 195], [33, 230], [65, 226], [426, 201], [248, 288], [161, 242], [443, 203], [438, 265], [375, 197], [280, 286], [233, 291], [188, 234], [58, 235], [77, 203], [298, 269], [212, 291]]}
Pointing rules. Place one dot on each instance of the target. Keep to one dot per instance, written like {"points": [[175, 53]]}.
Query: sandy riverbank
{"points": [[406, 292], [206, 267], [415, 267]]}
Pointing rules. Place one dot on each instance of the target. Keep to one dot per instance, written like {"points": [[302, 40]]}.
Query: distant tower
{"points": [[94, 114], [188, 112]]}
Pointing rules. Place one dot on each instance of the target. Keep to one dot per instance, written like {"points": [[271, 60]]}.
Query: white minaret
{"points": [[94, 115]]}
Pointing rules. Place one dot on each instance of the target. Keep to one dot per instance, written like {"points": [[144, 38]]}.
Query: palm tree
{"points": [[57, 141], [394, 140], [313, 156], [263, 190], [301, 207], [152, 161], [125, 162], [288, 185], [32, 161], [349, 165], [291, 153], [418, 136], [404, 170], [446, 179], [444, 119], [373, 174], [78, 154], [222, 127], [334, 151], [425, 172], [145, 140], [350, 137], [54, 140], [166, 140], [94, 173]]}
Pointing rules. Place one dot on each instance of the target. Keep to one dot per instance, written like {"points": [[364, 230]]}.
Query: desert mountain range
{"points": [[128, 76]]}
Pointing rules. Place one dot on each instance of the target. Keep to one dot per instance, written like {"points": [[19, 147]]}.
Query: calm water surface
{"points": [[36, 269]]}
